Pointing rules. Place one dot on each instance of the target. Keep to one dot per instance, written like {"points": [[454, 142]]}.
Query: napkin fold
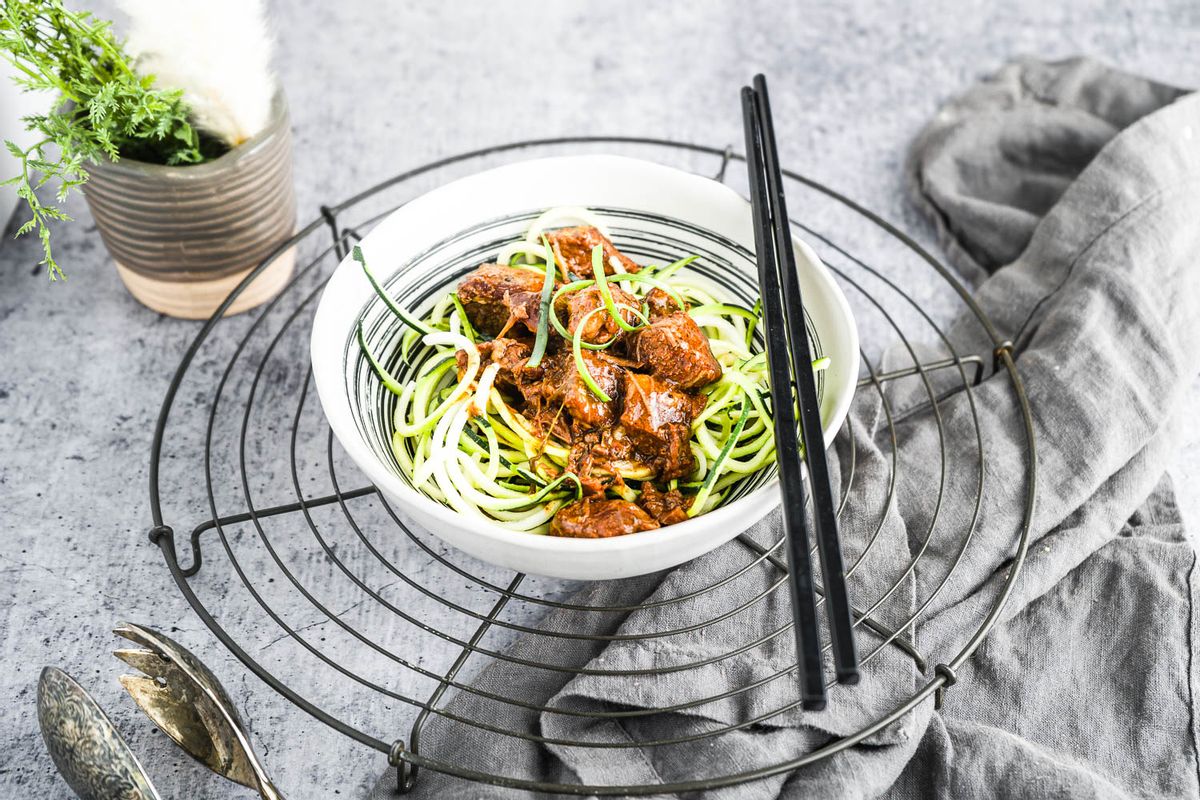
{"points": [[1070, 192]]}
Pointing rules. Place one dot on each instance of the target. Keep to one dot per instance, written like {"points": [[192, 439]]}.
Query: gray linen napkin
{"points": [[1085, 183]]}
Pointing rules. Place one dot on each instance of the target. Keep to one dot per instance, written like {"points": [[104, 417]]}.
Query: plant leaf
{"points": [[103, 107]]}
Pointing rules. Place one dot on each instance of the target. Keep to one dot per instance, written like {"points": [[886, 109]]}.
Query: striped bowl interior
{"points": [[728, 268]]}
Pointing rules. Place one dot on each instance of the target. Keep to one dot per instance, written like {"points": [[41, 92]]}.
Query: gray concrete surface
{"points": [[376, 88]]}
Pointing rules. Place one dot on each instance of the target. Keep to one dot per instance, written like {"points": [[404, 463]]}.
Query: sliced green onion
{"points": [[403, 315], [554, 320], [573, 286], [566, 334], [580, 366], [543, 328], [706, 488], [391, 383], [606, 294], [630, 277]]}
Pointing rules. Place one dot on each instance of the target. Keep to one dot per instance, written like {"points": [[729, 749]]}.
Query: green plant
{"points": [[103, 108]]}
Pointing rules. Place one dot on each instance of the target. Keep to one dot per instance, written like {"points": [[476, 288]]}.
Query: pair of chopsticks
{"points": [[790, 356]]}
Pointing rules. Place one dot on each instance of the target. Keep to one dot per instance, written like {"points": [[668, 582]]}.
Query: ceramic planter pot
{"points": [[183, 237]]}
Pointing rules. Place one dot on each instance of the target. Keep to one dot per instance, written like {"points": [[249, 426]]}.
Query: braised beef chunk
{"points": [[674, 348], [675, 458], [482, 294], [600, 327], [511, 355], [650, 402], [582, 404], [657, 418], [573, 249], [565, 387], [666, 507], [595, 518], [661, 304]]}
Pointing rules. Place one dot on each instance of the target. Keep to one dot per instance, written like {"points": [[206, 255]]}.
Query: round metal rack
{"points": [[376, 629]]}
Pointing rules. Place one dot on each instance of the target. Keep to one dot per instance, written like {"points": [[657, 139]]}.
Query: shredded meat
{"points": [[675, 349], [524, 308], [657, 418], [666, 507], [591, 456], [550, 421], [600, 328], [582, 461], [512, 356], [490, 294], [593, 518], [573, 249]]}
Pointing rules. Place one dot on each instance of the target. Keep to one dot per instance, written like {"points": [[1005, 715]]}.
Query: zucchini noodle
{"points": [[458, 440]]}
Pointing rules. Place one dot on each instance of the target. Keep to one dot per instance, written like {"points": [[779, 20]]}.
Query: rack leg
{"points": [[725, 158], [341, 236], [406, 774]]}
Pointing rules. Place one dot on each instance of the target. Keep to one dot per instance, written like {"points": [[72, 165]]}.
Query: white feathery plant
{"points": [[218, 52]]}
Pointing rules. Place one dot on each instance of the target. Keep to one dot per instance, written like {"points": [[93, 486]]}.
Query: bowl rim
{"points": [[393, 487]]}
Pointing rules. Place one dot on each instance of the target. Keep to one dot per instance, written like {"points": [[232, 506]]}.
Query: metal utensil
{"points": [[86, 747], [187, 702]]}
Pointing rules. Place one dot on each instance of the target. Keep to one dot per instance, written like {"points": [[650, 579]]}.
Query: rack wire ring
{"points": [[408, 761]]}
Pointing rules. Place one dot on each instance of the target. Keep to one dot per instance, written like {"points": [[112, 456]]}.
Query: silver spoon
{"points": [[187, 702], [87, 749]]}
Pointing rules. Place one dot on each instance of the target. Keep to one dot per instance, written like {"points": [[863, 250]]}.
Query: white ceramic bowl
{"points": [[655, 213]]}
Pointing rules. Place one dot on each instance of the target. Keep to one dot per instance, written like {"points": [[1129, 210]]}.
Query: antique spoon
{"points": [[184, 699], [87, 749]]}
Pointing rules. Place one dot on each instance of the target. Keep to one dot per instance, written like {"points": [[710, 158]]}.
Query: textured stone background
{"points": [[377, 88]]}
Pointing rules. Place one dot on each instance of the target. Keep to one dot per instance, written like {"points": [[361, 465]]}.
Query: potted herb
{"points": [[179, 139]]}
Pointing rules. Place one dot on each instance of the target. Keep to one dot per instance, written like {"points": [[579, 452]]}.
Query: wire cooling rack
{"points": [[301, 569]]}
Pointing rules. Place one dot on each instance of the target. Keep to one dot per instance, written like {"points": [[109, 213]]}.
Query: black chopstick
{"points": [[833, 570], [787, 445], [772, 225]]}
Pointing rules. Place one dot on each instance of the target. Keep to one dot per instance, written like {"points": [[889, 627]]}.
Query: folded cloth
{"points": [[1083, 184]]}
